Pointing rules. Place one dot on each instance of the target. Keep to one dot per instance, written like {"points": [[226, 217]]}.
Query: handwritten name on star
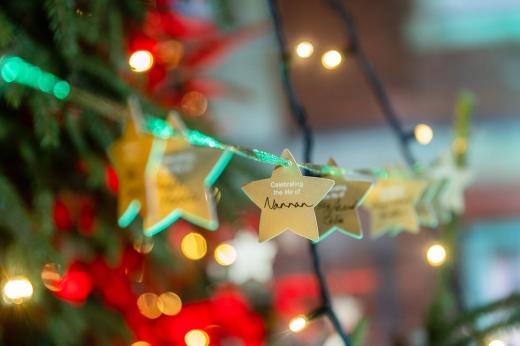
{"points": [[276, 205]]}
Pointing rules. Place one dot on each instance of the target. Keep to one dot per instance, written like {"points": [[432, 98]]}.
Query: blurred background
{"points": [[425, 51]]}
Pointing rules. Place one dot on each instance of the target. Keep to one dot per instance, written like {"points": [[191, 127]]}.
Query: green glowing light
{"points": [[11, 67], [27, 74], [46, 82], [61, 90], [14, 69]]}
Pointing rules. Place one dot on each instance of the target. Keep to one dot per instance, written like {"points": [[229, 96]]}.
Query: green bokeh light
{"points": [[10, 68], [14, 69], [61, 90], [46, 82]]}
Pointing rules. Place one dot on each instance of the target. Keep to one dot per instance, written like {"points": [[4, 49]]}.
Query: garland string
{"points": [[15, 70]]}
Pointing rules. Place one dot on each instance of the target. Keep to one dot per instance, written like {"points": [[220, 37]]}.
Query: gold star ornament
{"points": [[337, 211], [130, 155], [287, 201], [391, 205], [178, 185], [427, 208]]}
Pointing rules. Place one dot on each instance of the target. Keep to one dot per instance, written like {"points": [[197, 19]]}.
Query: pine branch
{"points": [[45, 123], [116, 38], [90, 24], [6, 31], [96, 172], [135, 9], [13, 95], [63, 24], [512, 320], [467, 321], [109, 78], [74, 130], [97, 129], [43, 203], [13, 214], [472, 315], [23, 45]]}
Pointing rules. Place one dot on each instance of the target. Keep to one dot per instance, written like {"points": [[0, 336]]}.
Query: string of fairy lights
{"points": [[331, 60]]}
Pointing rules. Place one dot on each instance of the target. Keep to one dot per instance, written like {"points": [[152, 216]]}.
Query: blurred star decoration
{"points": [[391, 205], [178, 183], [130, 155], [254, 261], [457, 179], [427, 206], [338, 210]]}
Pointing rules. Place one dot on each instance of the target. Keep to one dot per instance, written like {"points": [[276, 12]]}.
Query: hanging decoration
{"points": [[391, 205], [179, 180], [130, 155], [427, 207], [457, 179], [164, 171], [337, 211], [253, 261], [287, 200]]}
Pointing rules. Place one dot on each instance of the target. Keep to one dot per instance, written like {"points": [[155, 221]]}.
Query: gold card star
{"points": [[337, 211], [130, 155], [287, 200], [391, 204], [179, 182]]}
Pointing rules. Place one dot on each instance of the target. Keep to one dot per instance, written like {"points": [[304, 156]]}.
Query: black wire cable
{"points": [[378, 89], [299, 114], [380, 94]]}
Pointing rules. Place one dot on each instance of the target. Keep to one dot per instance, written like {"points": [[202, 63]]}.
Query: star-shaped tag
{"points": [[391, 204], [287, 200], [179, 182], [457, 179], [337, 211], [254, 261], [426, 207], [130, 155]]}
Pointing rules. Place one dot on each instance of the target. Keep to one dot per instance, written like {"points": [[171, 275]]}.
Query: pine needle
{"points": [[63, 25]]}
